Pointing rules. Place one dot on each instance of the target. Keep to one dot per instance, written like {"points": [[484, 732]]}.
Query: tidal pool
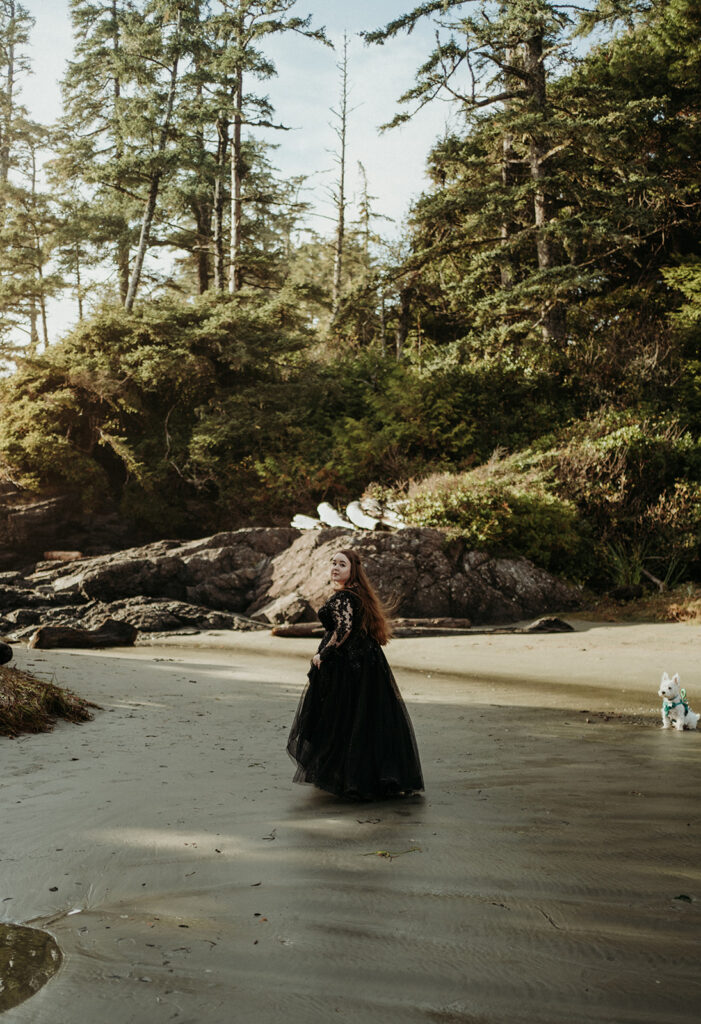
{"points": [[28, 958]]}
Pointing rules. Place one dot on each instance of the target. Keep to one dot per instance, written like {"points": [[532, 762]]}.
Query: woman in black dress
{"points": [[351, 735]]}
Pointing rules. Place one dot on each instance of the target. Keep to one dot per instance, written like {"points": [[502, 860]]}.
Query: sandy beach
{"points": [[551, 873]]}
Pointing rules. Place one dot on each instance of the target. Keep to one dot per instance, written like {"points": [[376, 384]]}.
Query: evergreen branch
{"points": [[407, 22]]}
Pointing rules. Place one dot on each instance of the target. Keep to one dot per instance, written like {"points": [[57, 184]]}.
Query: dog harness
{"points": [[667, 705]]}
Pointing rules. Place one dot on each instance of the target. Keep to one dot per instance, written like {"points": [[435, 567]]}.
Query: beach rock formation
{"points": [[420, 574], [110, 633], [260, 577], [30, 527]]}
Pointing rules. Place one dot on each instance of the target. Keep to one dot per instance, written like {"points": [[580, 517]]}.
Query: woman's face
{"points": [[340, 571]]}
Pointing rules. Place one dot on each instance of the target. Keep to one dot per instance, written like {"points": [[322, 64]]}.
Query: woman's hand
{"points": [[316, 661]]}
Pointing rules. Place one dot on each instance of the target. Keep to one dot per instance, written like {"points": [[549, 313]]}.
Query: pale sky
{"points": [[306, 87]]}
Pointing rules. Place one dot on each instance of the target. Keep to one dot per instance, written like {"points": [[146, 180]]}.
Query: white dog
{"points": [[675, 707]]}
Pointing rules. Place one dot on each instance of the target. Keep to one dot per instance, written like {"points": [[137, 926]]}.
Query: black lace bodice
{"points": [[341, 617]]}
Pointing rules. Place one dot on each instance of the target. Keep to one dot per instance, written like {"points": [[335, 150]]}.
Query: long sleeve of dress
{"points": [[342, 610]]}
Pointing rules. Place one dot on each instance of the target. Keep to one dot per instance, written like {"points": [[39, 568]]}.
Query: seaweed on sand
{"points": [[28, 704]]}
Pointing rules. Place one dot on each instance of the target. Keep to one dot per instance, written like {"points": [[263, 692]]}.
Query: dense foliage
{"points": [[523, 367]]}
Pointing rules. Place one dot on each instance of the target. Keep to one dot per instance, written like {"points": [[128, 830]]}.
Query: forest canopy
{"points": [[522, 366]]}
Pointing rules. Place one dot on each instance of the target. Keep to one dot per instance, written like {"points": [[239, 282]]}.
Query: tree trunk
{"points": [[9, 91], [236, 169], [123, 268], [38, 258], [122, 241], [146, 223], [33, 329], [202, 213], [201, 209], [219, 196], [365, 214], [506, 269], [341, 132], [78, 282], [553, 314], [42, 308], [156, 176], [403, 321]]}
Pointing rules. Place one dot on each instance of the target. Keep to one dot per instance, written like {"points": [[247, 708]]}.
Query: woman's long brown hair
{"points": [[375, 614]]}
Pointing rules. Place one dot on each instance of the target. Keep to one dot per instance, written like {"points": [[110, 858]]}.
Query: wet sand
{"points": [[550, 874]]}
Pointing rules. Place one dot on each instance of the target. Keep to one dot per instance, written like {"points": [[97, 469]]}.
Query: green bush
{"points": [[611, 503], [166, 410], [636, 484], [504, 518], [414, 420]]}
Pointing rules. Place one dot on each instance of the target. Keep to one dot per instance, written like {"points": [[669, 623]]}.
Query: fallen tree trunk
{"points": [[436, 627], [299, 629]]}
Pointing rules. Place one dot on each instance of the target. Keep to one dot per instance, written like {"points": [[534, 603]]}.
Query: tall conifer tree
{"points": [[499, 58], [27, 220]]}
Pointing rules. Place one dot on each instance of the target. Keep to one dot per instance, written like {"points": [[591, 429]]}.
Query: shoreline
{"points": [[616, 663], [539, 879]]}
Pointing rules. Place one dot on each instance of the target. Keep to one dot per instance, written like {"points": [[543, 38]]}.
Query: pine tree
{"points": [[500, 59], [603, 179], [97, 137], [80, 244], [236, 57], [166, 34], [339, 196], [153, 130], [27, 219]]}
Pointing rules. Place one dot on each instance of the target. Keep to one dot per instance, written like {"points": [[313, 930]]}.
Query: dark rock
{"points": [[630, 593], [18, 625], [8, 579], [227, 570], [226, 590], [29, 526], [419, 575], [33, 597], [5, 653], [220, 572], [148, 615], [24, 617], [135, 577], [109, 634], [152, 615], [281, 575], [21, 597]]}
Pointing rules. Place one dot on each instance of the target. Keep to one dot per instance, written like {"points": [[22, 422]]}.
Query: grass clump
{"points": [[680, 604], [28, 704]]}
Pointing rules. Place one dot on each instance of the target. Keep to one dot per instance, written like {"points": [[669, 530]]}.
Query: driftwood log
{"points": [[328, 515], [435, 627], [111, 633], [298, 629], [360, 518], [63, 556]]}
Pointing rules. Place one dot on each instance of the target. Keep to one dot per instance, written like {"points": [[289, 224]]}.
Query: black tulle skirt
{"points": [[352, 735]]}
